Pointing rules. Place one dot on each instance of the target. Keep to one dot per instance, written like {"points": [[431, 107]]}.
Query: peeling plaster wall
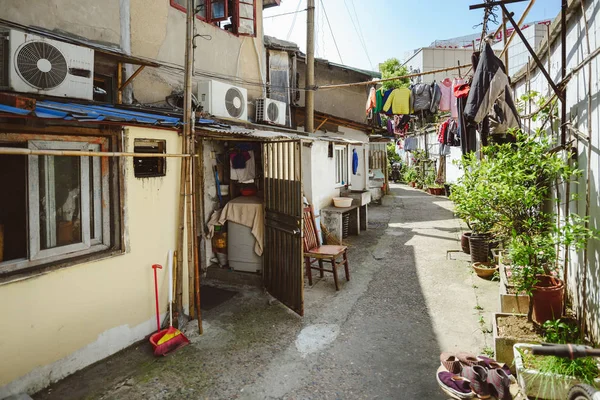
{"points": [[67, 319], [577, 114], [95, 20], [158, 32]]}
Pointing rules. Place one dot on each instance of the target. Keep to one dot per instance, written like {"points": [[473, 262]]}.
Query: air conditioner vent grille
{"points": [[41, 65], [234, 102], [272, 112]]}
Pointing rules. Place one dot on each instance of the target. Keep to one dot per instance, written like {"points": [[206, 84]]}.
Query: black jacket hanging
{"points": [[490, 95]]}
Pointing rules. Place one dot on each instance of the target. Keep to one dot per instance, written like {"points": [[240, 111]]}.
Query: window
{"points": [[147, 167], [341, 165], [60, 207], [236, 16]]}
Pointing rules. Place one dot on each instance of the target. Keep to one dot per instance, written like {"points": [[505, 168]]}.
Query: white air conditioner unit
{"points": [[270, 111], [223, 100], [49, 67]]}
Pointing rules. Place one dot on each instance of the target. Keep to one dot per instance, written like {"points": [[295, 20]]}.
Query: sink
{"points": [[361, 198]]}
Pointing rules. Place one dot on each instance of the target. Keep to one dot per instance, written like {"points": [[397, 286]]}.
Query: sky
{"points": [[390, 28]]}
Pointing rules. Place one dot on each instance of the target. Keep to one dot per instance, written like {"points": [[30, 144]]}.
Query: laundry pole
{"points": [[309, 106]]}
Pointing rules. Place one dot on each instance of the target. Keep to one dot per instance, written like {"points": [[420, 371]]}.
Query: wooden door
{"points": [[283, 273]]}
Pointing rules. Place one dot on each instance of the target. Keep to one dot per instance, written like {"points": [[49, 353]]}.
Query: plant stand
{"points": [[511, 303], [503, 346], [536, 384]]}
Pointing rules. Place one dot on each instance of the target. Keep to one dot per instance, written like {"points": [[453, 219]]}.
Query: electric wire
{"points": [[293, 21], [331, 30], [288, 13], [359, 31]]}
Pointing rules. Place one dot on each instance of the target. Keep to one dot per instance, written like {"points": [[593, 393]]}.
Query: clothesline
{"points": [[374, 82]]}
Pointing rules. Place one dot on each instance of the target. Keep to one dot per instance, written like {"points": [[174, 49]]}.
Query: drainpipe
{"points": [[125, 18]]}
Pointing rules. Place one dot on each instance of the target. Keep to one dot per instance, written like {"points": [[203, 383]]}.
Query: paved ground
{"points": [[378, 338]]}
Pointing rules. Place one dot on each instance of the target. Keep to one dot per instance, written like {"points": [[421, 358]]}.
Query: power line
{"points": [[293, 21], [289, 13], [331, 30], [360, 38], [361, 34]]}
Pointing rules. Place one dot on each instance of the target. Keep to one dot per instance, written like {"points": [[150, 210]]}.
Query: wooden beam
{"points": [[131, 78], [119, 83], [320, 125]]}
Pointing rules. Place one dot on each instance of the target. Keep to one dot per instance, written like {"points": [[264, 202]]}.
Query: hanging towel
{"points": [[371, 100], [354, 162]]}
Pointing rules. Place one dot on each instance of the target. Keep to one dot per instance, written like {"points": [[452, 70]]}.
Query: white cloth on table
{"points": [[243, 210]]}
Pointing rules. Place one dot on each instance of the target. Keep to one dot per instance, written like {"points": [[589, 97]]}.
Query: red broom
{"points": [[167, 340]]}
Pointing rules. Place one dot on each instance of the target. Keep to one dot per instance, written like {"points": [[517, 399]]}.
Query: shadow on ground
{"points": [[380, 336]]}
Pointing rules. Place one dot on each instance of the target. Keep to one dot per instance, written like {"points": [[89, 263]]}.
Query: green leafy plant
{"points": [[392, 68], [410, 174], [391, 153]]}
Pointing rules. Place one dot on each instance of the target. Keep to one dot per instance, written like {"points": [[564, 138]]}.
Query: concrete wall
{"points": [[67, 319], [429, 59], [577, 114], [347, 102], [158, 32], [95, 20]]}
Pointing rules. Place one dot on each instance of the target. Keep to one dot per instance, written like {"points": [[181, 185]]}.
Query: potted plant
{"points": [[550, 377], [410, 175], [484, 269]]}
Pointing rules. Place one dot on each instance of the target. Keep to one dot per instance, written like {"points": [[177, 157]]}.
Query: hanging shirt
{"points": [[248, 173], [420, 99], [398, 102], [354, 162], [447, 97], [436, 97], [371, 100], [378, 101], [454, 104]]}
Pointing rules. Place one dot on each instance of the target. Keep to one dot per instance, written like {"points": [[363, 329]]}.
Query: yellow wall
{"points": [[65, 320]]}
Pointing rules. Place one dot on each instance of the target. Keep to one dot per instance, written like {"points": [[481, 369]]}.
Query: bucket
{"points": [[479, 247], [548, 298]]}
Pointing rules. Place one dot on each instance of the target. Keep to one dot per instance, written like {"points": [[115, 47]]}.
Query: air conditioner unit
{"points": [[49, 67], [270, 111], [223, 100]]}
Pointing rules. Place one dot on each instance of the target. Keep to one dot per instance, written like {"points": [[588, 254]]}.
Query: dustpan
{"points": [[168, 340]]}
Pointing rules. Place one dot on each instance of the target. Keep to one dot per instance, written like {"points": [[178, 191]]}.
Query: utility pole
{"points": [[185, 162], [309, 106]]}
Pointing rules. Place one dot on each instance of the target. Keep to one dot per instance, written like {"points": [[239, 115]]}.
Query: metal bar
{"points": [[31, 152], [494, 3], [131, 78], [521, 20], [558, 92]]}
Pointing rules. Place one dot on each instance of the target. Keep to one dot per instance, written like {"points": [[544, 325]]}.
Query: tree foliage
{"points": [[390, 69]]}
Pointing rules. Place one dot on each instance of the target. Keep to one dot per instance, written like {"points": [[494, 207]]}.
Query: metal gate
{"points": [[282, 257]]}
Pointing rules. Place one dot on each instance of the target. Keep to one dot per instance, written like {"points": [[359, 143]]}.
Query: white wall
{"points": [[577, 114], [429, 59]]}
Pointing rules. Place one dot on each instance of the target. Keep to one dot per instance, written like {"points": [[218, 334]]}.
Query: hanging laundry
{"points": [[452, 133], [454, 103], [390, 126], [248, 171], [385, 95], [398, 102], [238, 159], [371, 100], [442, 132], [379, 101], [467, 130], [447, 96], [411, 143], [420, 97], [436, 97], [491, 96], [354, 162]]}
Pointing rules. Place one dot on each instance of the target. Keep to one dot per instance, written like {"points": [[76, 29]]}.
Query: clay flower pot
{"points": [[484, 269], [548, 298]]}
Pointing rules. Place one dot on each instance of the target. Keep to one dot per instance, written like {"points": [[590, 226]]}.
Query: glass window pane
{"points": [[217, 9], [60, 201]]}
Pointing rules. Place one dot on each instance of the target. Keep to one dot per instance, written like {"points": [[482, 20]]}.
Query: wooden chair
{"points": [[315, 253]]}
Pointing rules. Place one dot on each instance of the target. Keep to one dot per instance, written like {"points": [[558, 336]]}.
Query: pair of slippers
{"points": [[468, 376]]}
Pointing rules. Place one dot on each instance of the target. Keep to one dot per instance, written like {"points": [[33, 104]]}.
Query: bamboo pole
{"points": [[519, 23], [588, 180], [73, 153], [197, 252], [190, 241]]}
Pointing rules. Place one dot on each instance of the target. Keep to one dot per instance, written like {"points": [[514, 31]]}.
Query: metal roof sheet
{"points": [[235, 131], [91, 113]]}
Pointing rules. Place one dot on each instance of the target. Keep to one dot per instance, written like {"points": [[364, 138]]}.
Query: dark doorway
{"points": [[211, 296]]}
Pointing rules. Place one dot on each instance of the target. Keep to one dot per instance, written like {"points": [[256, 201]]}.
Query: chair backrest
{"points": [[310, 229]]}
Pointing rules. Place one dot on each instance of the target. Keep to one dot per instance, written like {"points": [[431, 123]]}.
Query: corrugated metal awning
{"points": [[225, 132]]}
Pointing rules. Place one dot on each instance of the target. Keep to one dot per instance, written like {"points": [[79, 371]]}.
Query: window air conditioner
{"points": [[223, 100], [270, 111], [49, 67]]}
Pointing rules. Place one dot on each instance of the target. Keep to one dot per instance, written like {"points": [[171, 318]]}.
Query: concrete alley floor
{"points": [[379, 337]]}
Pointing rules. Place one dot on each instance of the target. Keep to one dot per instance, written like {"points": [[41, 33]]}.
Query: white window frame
{"points": [[91, 242], [340, 157]]}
